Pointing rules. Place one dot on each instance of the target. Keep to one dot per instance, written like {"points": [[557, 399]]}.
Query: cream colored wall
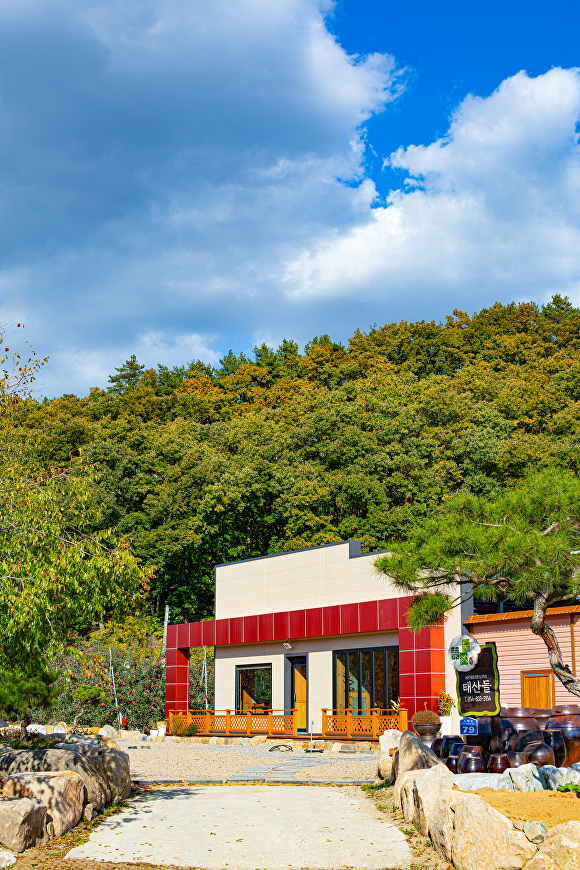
{"points": [[319, 652], [319, 577]]}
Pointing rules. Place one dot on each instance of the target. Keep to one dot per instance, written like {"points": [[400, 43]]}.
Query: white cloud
{"points": [[492, 207]]}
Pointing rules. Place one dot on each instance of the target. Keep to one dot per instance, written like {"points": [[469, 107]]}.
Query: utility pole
{"points": [[164, 648]]}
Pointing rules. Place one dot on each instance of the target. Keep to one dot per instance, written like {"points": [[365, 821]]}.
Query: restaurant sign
{"points": [[463, 652], [478, 689]]}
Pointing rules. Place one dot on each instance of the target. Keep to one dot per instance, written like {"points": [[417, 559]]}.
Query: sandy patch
{"points": [[550, 807]]}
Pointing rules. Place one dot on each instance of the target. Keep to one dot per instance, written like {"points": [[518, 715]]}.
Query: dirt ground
{"points": [[52, 856], [550, 807]]}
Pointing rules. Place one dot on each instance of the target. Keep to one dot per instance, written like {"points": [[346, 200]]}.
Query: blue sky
{"points": [[178, 178]]}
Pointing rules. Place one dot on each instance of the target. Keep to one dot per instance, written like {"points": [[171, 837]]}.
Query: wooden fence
{"points": [[350, 724]]}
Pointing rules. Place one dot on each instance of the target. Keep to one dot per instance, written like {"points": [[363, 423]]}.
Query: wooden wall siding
{"points": [[519, 649]]}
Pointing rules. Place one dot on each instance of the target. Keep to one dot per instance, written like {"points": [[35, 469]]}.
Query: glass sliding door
{"points": [[253, 688], [365, 679]]}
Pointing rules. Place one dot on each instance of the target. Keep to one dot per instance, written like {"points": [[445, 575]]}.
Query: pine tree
{"points": [[128, 376]]}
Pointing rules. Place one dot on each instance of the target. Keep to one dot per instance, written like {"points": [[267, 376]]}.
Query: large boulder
{"points": [[412, 754], [441, 823], [89, 765], [385, 766], [403, 794], [484, 839], [389, 739], [109, 731], [427, 787], [474, 781], [61, 793], [22, 823], [117, 771], [560, 850], [556, 776], [527, 777]]}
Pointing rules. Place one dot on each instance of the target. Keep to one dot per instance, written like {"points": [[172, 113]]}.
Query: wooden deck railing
{"points": [[225, 723], [350, 724], [358, 723]]}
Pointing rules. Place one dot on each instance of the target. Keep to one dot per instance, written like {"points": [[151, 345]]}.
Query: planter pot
{"points": [[446, 725], [555, 740], [427, 733]]}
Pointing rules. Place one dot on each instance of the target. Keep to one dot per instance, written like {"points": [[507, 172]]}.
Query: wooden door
{"points": [[300, 693], [538, 689]]}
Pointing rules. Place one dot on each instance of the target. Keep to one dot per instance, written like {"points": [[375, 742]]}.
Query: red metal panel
{"points": [[237, 629], [170, 674], [406, 639], [182, 675], [403, 605], [407, 662], [331, 620], [266, 626], [208, 632], [349, 618], [423, 662], [183, 635], [222, 631], [388, 614], [250, 629], [430, 700], [430, 638], [407, 685], [195, 634], [297, 621], [314, 622], [171, 636], [281, 626], [171, 658], [182, 656], [170, 693], [423, 685], [181, 692], [368, 615]]}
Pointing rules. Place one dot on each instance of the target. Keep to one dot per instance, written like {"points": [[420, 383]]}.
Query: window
{"points": [[254, 688], [366, 678]]}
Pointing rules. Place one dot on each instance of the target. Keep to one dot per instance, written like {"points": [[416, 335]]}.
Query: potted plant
{"points": [[426, 724], [445, 705]]}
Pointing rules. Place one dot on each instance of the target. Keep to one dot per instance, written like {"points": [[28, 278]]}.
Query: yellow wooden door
{"points": [[301, 694], [537, 689]]}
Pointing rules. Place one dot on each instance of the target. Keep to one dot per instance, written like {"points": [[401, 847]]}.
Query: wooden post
{"points": [[207, 722], [402, 719], [270, 723], [228, 722], [348, 721], [248, 723], [375, 723], [294, 723], [324, 723]]}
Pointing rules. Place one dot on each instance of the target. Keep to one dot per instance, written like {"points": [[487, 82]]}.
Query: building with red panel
{"points": [[312, 629]]}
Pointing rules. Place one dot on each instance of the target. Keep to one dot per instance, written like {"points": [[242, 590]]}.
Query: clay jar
{"points": [[436, 746], [498, 762], [523, 738], [542, 717], [522, 718], [567, 720], [471, 752], [516, 759], [539, 754], [448, 744], [555, 740], [451, 763]]}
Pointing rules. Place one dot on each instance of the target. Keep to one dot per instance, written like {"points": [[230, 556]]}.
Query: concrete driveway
{"points": [[251, 828]]}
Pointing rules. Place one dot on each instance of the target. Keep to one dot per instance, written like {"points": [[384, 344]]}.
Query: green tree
{"points": [[523, 544], [127, 377], [89, 696], [22, 690]]}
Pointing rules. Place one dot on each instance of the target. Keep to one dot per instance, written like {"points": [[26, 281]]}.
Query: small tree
{"points": [[89, 697], [523, 545], [20, 692]]}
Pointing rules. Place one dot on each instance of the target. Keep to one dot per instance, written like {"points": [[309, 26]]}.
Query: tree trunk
{"points": [[548, 635], [24, 723]]}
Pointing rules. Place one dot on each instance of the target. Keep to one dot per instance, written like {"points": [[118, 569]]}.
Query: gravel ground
{"points": [[152, 762]]}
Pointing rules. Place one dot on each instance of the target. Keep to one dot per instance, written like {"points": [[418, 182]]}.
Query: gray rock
{"points": [[109, 731], [89, 812], [527, 778], [484, 839], [560, 850], [575, 767], [22, 823], [61, 793], [385, 766], [7, 859], [535, 832], [556, 777], [117, 771], [473, 781], [427, 787], [412, 754], [441, 823], [519, 824], [89, 764], [389, 739]]}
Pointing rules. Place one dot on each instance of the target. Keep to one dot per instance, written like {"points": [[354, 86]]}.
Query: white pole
{"points": [[112, 672], [204, 672], [164, 647]]}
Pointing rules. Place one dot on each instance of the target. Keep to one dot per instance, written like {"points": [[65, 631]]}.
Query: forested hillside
{"points": [[285, 450]]}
